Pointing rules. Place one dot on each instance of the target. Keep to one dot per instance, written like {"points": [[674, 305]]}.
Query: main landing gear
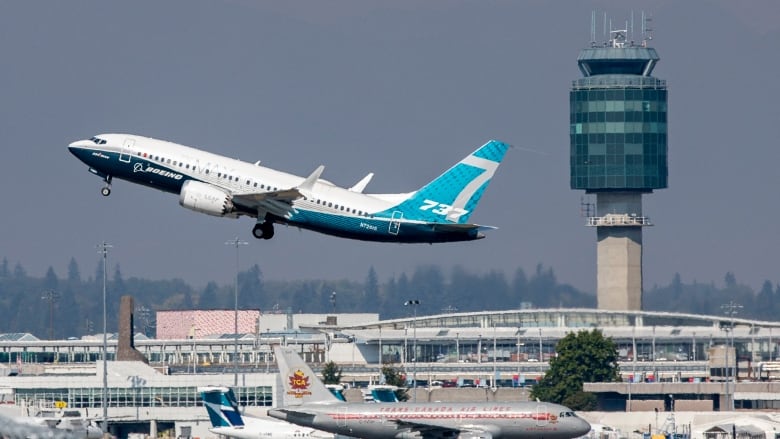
{"points": [[106, 190], [264, 230]]}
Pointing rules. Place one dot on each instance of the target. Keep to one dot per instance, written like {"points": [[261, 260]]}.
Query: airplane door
{"points": [[395, 222], [342, 421], [127, 150], [542, 417]]}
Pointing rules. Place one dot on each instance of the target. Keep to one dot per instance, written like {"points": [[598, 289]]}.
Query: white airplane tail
{"points": [[300, 384]]}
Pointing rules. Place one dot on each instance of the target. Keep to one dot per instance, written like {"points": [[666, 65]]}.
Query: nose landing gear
{"points": [[264, 230], [106, 190]]}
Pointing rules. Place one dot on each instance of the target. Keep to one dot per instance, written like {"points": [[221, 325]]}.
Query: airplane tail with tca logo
{"points": [[299, 383], [453, 196]]}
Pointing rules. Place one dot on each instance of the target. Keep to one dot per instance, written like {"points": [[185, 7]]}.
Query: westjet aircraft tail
{"points": [[222, 406], [453, 196], [301, 385]]}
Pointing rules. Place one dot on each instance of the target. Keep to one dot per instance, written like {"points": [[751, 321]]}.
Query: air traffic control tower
{"points": [[618, 152]]}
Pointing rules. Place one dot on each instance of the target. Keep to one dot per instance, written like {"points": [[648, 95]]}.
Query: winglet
{"points": [[308, 184], [361, 185]]}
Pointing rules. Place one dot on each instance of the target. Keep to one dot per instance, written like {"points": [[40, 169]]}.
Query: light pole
{"points": [[103, 247], [731, 309], [52, 297], [519, 343], [495, 365], [235, 242], [414, 303]]}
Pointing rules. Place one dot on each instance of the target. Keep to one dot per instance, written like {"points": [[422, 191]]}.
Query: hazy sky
{"points": [[399, 88]]}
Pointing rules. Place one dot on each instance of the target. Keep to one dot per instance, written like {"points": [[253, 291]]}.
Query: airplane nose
{"points": [[78, 144], [581, 428]]}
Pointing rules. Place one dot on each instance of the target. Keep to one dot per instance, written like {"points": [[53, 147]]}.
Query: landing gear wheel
{"points": [[257, 231], [106, 190], [268, 230], [264, 230]]}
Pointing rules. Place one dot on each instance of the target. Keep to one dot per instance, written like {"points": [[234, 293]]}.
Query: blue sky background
{"points": [[402, 89]]}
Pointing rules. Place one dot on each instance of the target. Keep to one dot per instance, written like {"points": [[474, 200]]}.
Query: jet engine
{"points": [[205, 198]]}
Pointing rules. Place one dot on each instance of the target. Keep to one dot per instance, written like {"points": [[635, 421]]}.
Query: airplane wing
{"points": [[434, 431], [276, 202]]}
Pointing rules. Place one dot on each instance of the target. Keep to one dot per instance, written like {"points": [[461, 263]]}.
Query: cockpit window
{"points": [[98, 140]]}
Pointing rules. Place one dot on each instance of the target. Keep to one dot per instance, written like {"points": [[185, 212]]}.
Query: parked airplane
{"points": [[224, 187], [66, 423], [309, 403], [226, 419]]}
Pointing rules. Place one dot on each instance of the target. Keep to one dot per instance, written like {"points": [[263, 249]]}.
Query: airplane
{"points": [[226, 419], [309, 403], [224, 187], [66, 423]]}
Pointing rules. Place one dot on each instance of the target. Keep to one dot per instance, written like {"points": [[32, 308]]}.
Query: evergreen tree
{"points": [[208, 298], [394, 378], [250, 288], [50, 281], [4, 272], [74, 277], [520, 288], [765, 301], [19, 272], [331, 373], [586, 356], [371, 288]]}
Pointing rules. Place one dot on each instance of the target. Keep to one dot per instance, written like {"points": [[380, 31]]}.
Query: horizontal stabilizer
{"points": [[461, 227]]}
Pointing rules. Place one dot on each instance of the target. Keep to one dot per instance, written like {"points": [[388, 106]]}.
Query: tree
{"points": [[394, 378], [581, 357], [371, 287], [331, 373]]}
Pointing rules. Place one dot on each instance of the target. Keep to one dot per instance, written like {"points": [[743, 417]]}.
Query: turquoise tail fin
{"points": [[453, 196], [222, 407]]}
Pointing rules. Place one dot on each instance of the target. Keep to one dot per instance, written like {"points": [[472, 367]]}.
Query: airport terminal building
{"points": [[497, 349]]}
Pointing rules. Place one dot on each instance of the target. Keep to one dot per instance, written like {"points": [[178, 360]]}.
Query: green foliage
{"points": [[394, 377], [586, 356], [331, 373], [584, 401]]}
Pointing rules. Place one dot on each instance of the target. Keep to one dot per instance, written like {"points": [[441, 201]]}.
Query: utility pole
{"points": [[414, 304], [51, 296], [235, 242], [103, 249], [731, 309]]}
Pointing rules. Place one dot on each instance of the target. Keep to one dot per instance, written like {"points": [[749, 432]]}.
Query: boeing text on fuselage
{"points": [[220, 186]]}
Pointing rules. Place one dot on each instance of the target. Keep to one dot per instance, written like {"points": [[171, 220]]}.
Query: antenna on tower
{"points": [[592, 28], [648, 28], [632, 27]]}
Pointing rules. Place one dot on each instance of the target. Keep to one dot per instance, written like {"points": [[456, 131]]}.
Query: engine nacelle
{"points": [[205, 198]]}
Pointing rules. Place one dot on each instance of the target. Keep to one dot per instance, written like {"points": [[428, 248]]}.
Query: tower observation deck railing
{"points": [[618, 81], [618, 220]]}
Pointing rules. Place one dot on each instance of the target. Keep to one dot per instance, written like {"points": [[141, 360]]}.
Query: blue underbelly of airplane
{"points": [[376, 229]]}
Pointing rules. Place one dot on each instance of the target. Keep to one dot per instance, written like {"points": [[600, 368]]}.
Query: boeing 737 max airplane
{"points": [[225, 187], [309, 403]]}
